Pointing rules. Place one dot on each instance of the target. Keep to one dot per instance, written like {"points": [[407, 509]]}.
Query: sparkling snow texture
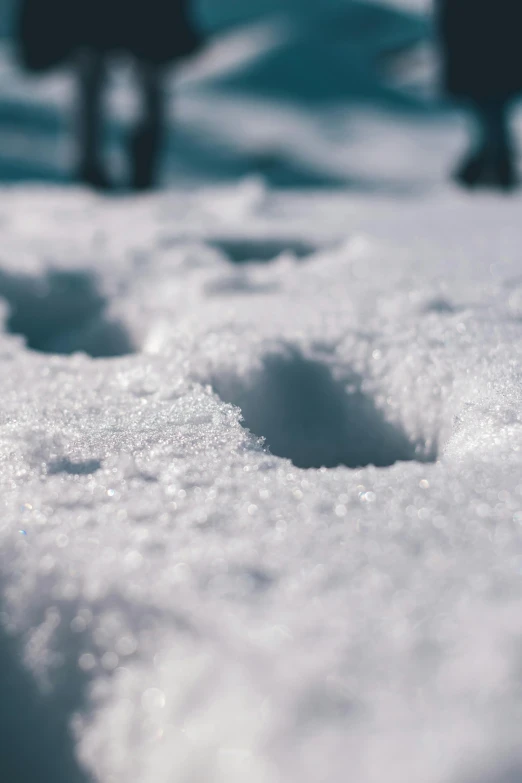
{"points": [[197, 609], [181, 600]]}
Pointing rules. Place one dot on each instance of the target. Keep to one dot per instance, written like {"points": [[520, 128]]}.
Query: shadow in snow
{"points": [[306, 415], [72, 468], [508, 772], [62, 313], [252, 250], [36, 745]]}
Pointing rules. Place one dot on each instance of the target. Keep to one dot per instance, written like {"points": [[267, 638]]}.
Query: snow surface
{"points": [[198, 609], [181, 600]]}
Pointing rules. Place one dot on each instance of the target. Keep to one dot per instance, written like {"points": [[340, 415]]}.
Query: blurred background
{"points": [[303, 93]]}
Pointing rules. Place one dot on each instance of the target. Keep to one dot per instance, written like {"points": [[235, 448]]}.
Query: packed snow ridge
{"points": [[260, 460]]}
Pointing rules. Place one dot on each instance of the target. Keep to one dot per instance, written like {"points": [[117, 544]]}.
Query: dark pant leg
{"points": [[91, 81], [149, 132]]}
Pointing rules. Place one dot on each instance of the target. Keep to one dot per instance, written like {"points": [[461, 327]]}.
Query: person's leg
{"points": [[491, 159], [92, 74], [493, 120], [147, 137]]}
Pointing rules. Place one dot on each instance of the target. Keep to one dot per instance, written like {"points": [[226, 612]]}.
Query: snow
{"points": [[260, 442], [199, 609]]}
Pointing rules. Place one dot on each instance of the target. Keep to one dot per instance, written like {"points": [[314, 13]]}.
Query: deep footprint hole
{"points": [[251, 251], [62, 313], [73, 467], [308, 416]]}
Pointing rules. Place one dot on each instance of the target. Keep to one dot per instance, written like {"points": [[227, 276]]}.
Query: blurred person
{"points": [[155, 33], [482, 51]]}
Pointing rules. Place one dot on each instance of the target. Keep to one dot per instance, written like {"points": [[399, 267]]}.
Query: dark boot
{"points": [[506, 175], [94, 176], [492, 164], [471, 170], [486, 169]]}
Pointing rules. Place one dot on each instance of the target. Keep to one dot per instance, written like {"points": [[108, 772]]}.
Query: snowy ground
{"points": [[183, 601]]}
